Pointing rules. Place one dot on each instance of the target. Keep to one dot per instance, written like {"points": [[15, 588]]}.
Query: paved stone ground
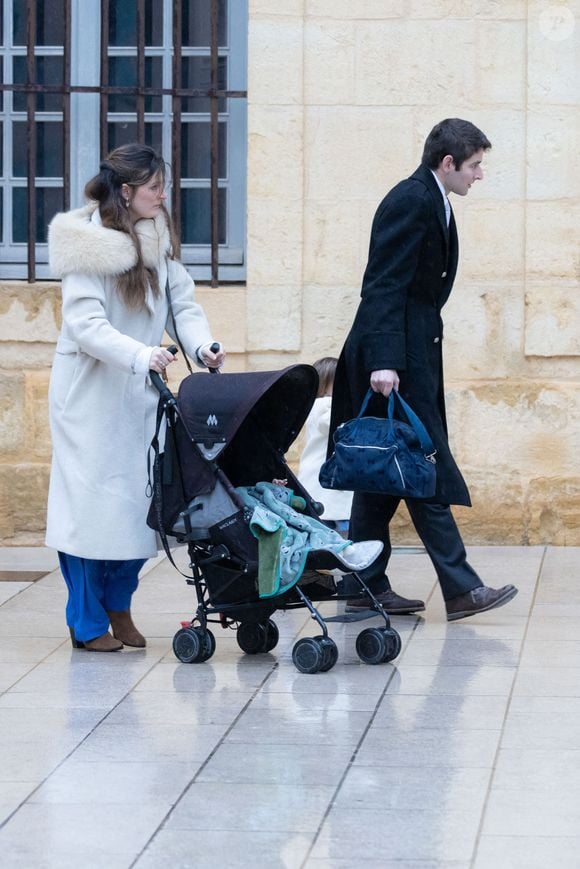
{"points": [[465, 752]]}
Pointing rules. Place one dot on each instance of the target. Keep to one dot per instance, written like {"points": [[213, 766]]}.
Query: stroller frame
{"points": [[245, 611]]}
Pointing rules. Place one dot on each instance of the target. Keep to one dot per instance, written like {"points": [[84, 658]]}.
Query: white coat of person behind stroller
{"points": [[337, 505]]}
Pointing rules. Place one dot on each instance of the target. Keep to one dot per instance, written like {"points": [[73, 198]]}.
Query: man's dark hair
{"points": [[453, 136]]}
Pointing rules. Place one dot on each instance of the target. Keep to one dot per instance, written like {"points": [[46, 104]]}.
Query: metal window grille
{"points": [[33, 91]]}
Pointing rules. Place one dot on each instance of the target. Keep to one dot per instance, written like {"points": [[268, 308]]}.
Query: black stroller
{"points": [[224, 432]]}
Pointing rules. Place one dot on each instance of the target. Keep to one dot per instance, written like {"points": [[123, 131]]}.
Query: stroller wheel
{"points": [[329, 653], [371, 646], [187, 645], [308, 655], [272, 635], [393, 644], [252, 637], [207, 642]]}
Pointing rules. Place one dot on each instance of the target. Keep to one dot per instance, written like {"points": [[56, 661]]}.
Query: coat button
{"points": [[443, 274], [436, 340]]}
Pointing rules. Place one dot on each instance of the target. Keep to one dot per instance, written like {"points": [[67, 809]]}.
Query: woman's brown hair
{"points": [[326, 368], [134, 165]]}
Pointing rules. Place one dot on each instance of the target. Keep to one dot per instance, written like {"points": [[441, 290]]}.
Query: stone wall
{"points": [[29, 326], [342, 94]]}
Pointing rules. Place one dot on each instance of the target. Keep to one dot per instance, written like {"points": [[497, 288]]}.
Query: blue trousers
{"points": [[95, 588]]}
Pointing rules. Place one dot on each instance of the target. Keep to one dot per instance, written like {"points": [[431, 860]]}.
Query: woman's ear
{"points": [[126, 193]]}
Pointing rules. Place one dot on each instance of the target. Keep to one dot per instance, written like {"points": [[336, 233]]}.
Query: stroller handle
{"points": [[214, 349], [160, 384], [161, 388]]}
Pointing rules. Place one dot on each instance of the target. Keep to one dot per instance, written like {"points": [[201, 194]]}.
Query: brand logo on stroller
{"points": [[212, 420]]}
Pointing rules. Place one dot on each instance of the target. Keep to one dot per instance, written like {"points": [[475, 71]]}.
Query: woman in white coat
{"points": [[116, 263]]}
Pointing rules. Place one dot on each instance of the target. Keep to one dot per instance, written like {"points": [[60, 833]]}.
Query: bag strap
{"points": [[415, 423], [426, 443], [365, 403], [168, 294]]}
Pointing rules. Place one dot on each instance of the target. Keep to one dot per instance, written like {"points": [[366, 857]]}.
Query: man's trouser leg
{"points": [[440, 536], [369, 520]]}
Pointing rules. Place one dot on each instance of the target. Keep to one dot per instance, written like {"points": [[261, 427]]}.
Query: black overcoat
{"points": [[408, 278]]}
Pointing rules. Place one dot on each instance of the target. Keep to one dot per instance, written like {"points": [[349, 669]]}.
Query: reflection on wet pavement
{"points": [[464, 752]]}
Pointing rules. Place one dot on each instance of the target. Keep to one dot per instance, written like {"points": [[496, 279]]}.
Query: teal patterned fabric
{"points": [[285, 535]]}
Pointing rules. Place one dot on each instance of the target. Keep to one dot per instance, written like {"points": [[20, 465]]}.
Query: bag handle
{"points": [[426, 443], [365, 403]]}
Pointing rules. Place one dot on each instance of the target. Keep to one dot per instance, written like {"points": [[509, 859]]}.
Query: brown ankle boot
{"points": [[104, 643], [124, 629]]}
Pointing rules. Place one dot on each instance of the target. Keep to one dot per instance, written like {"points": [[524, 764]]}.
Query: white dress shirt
{"points": [[445, 198]]}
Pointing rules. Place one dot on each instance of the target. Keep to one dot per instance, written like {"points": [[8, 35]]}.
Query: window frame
{"points": [[85, 132]]}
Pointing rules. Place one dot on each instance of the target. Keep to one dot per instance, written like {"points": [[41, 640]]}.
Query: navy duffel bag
{"points": [[385, 456]]}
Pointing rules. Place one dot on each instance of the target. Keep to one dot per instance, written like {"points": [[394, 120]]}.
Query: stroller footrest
{"points": [[352, 617]]}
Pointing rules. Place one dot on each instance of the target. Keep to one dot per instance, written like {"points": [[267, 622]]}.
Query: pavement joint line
{"points": [[78, 745], [203, 765], [213, 752], [358, 746], [479, 832]]}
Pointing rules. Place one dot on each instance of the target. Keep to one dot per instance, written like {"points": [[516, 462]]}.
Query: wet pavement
{"points": [[464, 752]]}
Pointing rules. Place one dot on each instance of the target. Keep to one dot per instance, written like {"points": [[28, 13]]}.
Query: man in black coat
{"points": [[395, 343]]}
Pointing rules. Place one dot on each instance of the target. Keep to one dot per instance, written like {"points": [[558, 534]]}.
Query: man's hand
{"points": [[384, 381]]}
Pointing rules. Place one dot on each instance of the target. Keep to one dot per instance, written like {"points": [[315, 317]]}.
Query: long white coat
{"points": [[101, 402], [336, 504]]}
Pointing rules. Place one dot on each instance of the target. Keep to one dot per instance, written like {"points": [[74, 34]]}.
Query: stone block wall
{"points": [[341, 96], [338, 114]]}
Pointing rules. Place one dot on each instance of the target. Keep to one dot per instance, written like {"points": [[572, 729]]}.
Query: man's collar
{"points": [[439, 184]]}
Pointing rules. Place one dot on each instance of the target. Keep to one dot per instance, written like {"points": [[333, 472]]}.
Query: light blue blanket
{"points": [[285, 536]]}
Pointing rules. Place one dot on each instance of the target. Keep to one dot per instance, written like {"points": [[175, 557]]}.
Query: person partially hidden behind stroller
{"points": [[115, 258], [337, 505]]}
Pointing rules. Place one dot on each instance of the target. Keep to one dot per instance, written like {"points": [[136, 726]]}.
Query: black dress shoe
{"points": [[478, 600], [392, 603]]}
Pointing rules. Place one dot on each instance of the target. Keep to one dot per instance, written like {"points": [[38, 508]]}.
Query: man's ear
{"points": [[447, 163]]}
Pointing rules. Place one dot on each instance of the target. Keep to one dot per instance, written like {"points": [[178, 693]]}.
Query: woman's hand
{"points": [[384, 381], [212, 360], [160, 359]]}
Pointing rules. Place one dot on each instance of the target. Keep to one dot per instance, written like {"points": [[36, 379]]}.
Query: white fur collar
{"points": [[78, 242]]}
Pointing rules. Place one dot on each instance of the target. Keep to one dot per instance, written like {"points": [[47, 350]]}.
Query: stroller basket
{"points": [[227, 584]]}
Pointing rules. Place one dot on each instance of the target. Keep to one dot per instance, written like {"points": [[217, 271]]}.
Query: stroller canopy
{"points": [[276, 403]]}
